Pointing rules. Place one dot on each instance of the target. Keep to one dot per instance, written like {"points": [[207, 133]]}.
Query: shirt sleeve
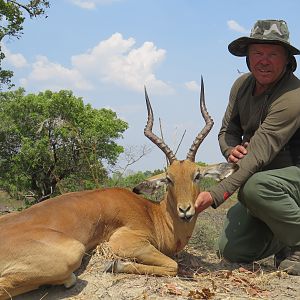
{"points": [[280, 124], [230, 133]]}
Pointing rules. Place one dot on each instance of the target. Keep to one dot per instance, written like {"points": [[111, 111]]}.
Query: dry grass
{"points": [[202, 276]]}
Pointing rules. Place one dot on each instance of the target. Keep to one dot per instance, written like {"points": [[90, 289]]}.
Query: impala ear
{"points": [[219, 171], [151, 185]]}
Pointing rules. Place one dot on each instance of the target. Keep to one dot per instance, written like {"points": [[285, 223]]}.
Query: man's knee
{"points": [[236, 238], [254, 192]]}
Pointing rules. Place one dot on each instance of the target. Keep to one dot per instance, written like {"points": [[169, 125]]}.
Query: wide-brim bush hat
{"points": [[264, 32]]}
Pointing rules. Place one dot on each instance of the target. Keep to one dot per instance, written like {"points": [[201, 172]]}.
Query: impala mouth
{"points": [[186, 213], [186, 218]]}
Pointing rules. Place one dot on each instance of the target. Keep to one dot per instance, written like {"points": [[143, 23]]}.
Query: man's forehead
{"points": [[266, 47]]}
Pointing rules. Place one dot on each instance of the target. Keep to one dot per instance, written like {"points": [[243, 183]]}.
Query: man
{"points": [[261, 133]]}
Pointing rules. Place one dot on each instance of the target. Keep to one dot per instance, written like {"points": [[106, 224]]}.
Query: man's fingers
{"points": [[241, 150], [232, 159], [238, 152]]}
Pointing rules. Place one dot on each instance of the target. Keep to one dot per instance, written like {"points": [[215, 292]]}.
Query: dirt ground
{"points": [[203, 275], [210, 278]]}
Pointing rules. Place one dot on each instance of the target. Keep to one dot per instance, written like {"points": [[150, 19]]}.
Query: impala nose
{"points": [[186, 213]]}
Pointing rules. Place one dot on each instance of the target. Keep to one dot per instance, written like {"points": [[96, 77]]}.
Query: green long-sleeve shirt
{"points": [[269, 122]]}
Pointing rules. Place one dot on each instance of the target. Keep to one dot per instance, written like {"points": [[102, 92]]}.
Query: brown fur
{"points": [[45, 243]]}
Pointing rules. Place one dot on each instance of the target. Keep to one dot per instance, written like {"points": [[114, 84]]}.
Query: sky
{"points": [[106, 51]]}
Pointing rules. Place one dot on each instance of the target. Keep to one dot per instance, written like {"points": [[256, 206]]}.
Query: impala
{"points": [[45, 243]]}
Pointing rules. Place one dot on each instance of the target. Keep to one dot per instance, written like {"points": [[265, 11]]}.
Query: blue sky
{"points": [[105, 51]]}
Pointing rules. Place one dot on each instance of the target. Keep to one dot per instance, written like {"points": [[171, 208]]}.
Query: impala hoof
{"points": [[71, 281], [110, 267]]}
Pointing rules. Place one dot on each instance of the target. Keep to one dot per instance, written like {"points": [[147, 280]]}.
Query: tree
{"points": [[12, 19], [50, 139]]}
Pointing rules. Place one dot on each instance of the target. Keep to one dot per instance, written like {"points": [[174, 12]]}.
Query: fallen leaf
{"points": [[173, 289], [204, 294]]}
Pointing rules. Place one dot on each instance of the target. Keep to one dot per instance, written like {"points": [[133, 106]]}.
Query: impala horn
{"points": [[152, 137], [204, 132]]}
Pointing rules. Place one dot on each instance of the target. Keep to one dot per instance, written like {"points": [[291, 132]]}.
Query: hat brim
{"points": [[239, 47]]}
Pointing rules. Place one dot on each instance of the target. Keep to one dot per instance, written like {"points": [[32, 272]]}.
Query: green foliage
{"points": [[130, 181], [156, 172], [11, 20], [201, 164], [5, 77], [53, 140], [206, 183]]}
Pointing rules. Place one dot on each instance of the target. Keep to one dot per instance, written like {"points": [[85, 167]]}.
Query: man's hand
{"points": [[203, 201], [237, 153]]}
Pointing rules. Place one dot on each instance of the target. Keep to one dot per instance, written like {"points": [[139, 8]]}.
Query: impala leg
{"points": [[153, 263], [10, 287], [146, 259], [49, 259], [7, 291]]}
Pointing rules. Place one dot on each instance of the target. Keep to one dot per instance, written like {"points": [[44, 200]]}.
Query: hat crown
{"points": [[271, 30], [264, 32]]}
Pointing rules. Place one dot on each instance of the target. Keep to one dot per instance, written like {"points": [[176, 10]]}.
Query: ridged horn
{"points": [[204, 132], [152, 137]]}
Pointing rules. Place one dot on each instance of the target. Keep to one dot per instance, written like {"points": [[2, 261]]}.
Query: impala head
{"points": [[182, 179], [182, 176]]}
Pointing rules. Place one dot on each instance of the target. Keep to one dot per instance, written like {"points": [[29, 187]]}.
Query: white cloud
{"points": [[54, 76], [192, 86], [116, 61], [113, 61], [91, 4], [235, 26], [16, 60]]}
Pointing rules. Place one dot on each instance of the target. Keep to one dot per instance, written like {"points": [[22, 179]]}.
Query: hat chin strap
{"points": [[292, 64], [247, 62]]}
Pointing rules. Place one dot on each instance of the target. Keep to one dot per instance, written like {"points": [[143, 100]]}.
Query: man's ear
{"points": [[219, 171], [151, 185]]}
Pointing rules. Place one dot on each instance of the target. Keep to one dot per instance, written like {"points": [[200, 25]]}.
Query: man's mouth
{"points": [[264, 71]]}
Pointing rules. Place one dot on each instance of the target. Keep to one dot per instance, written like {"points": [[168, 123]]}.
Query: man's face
{"points": [[267, 62]]}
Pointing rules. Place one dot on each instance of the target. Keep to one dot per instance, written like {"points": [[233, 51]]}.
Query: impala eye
{"points": [[169, 180], [197, 177]]}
